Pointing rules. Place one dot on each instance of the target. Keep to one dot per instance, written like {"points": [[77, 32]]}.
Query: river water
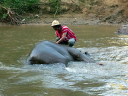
{"points": [[17, 78]]}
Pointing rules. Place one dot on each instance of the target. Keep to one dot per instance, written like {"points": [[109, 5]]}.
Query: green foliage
{"points": [[21, 6], [10, 10], [4, 16], [55, 7]]}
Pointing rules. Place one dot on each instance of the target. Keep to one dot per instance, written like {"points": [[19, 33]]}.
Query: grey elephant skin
{"points": [[47, 52], [123, 30]]}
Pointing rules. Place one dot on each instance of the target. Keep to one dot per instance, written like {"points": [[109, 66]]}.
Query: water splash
{"points": [[79, 76]]}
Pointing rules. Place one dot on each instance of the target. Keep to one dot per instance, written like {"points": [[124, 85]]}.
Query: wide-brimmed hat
{"points": [[55, 22]]}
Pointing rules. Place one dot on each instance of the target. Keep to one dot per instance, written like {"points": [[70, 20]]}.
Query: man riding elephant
{"points": [[64, 34]]}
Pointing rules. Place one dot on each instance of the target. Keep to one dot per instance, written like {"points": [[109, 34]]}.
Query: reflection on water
{"points": [[17, 78]]}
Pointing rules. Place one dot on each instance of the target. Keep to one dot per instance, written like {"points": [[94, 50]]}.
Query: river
{"points": [[17, 78]]}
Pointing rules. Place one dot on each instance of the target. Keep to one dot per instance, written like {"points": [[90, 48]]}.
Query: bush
{"points": [[20, 6], [17, 7], [55, 6]]}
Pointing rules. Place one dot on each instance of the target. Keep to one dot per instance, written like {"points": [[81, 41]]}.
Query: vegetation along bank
{"points": [[66, 11]]}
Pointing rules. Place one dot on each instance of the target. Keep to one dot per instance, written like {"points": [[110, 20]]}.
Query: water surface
{"points": [[17, 78]]}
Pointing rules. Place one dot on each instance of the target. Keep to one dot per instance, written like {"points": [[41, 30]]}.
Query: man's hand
{"points": [[62, 39], [57, 42]]}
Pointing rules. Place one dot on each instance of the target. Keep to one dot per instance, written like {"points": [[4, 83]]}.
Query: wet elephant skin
{"points": [[47, 52]]}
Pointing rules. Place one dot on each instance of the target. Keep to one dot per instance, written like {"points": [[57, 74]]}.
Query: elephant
{"points": [[123, 30], [47, 52]]}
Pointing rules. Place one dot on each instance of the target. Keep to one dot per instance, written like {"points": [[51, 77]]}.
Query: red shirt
{"points": [[69, 35]]}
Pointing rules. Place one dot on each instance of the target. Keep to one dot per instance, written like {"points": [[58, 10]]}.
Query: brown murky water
{"points": [[17, 78]]}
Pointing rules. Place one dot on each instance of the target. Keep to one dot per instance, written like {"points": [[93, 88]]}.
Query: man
{"points": [[64, 34]]}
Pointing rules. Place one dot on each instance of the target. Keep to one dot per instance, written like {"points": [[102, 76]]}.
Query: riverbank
{"points": [[67, 19], [89, 12], [78, 12]]}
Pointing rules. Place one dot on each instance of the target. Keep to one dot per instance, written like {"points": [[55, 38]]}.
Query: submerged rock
{"points": [[123, 30]]}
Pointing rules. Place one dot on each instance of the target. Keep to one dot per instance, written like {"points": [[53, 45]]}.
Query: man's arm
{"points": [[62, 38]]}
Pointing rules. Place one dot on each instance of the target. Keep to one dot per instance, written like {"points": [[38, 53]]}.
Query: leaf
{"points": [[4, 16]]}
